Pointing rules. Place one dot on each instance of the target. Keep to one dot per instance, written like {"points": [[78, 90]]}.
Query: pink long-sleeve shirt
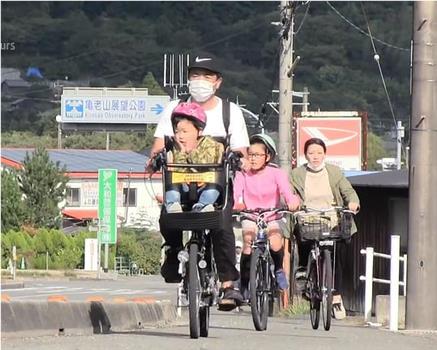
{"points": [[263, 189]]}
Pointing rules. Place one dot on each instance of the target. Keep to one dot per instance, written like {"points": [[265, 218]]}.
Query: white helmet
{"points": [[267, 141]]}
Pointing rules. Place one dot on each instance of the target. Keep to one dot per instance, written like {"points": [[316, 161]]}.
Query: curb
{"points": [[63, 317], [11, 285]]}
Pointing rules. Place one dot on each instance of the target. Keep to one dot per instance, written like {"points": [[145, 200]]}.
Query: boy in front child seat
{"points": [[188, 120]]}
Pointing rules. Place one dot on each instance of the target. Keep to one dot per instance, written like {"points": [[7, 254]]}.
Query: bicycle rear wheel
{"points": [[194, 291], [326, 289], [204, 321], [259, 284], [313, 294]]}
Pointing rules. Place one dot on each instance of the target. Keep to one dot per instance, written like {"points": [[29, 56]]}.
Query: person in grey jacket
{"points": [[321, 186]]}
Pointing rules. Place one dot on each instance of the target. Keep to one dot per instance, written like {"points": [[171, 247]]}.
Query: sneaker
{"points": [[281, 279], [169, 269], [338, 310], [230, 300], [300, 279], [207, 208], [200, 208], [174, 207], [301, 273]]}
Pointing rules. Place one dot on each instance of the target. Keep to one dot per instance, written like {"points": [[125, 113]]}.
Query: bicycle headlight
{"points": [[202, 264]]}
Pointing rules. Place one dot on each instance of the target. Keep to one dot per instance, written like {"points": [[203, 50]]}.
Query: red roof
{"points": [[80, 214]]}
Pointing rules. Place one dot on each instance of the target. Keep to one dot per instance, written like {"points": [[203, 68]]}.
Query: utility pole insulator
{"points": [[293, 66]]}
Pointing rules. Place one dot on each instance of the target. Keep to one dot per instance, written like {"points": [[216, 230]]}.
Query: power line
{"points": [[303, 19], [376, 56], [363, 32]]}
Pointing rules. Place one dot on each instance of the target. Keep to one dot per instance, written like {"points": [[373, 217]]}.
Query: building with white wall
{"points": [[136, 192]]}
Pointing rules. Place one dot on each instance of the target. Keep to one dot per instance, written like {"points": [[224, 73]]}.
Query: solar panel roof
{"points": [[80, 160]]}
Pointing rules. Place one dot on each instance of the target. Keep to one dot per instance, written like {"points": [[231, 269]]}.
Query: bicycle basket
{"points": [[316, 227]]}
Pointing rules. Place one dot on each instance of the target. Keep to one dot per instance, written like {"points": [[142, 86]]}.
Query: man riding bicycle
{"points": [[223, 119]]}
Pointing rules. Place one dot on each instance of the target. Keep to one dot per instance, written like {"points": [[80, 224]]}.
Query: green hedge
{"points": [[67, 252]]}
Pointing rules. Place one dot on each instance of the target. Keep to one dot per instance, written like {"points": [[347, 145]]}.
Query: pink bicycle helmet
{"points": [[191, 111]]}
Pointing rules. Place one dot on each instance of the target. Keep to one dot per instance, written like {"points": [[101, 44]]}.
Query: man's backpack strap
{"points": [[168, 143], [226, 115]]}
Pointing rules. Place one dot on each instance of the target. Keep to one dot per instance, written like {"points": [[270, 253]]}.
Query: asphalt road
{"points": [[81, 289], [228, 331], [235, 331]]}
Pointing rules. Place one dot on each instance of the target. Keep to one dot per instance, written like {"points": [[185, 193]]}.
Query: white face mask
{"points": [[314, 168], [201, 90]]}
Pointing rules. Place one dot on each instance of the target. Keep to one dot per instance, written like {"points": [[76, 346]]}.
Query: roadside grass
{"points": [[299, 306], [70, 274]]}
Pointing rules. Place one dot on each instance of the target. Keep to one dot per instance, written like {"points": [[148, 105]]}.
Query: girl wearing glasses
{"points": [[262, 187]]}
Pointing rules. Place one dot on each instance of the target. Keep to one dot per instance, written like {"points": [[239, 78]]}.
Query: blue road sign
{"points": [[113, 107], [157, 109]]}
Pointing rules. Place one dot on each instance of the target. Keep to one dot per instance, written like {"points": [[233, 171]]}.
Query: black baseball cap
{"points": [[207, 63]]}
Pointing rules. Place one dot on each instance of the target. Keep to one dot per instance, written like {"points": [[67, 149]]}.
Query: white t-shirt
{"points": [[214, 124]]}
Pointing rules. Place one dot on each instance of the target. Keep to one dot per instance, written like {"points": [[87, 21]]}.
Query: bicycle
{"points": [[197, 265], [323, 230], [262, 281]]}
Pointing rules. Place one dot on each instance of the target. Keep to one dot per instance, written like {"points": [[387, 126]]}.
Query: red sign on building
{"points": [[342, 136]]}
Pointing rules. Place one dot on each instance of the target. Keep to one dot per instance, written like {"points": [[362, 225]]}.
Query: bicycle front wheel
{"points": [[326, 289], [259, 290], [194, 291], [313, 295]]}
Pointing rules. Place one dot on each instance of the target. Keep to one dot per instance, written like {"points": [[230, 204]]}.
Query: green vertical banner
{"points": [[108, 206]]}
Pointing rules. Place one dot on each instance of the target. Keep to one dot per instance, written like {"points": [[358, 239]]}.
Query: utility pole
{"points": [[286, 66], [421, 312], [286, 85], [399, 136]]}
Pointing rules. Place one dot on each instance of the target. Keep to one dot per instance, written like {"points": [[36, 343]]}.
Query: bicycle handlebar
{"points": [[306, 210], [261, 212], [231, 157]]}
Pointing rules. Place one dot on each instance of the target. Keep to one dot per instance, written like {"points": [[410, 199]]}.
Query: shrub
{"points": [[67, 252], [143, 247]]}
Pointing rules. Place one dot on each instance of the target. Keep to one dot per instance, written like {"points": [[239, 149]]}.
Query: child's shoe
{"points": [[174, 208]]}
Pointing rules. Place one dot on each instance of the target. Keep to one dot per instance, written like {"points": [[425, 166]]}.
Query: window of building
{"points": [[130, 200], [73, 197]]}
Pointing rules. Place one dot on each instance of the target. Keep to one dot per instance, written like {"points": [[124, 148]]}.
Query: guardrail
{"points": [[394, 282]]}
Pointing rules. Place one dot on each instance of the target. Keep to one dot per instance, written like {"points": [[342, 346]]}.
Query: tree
{"points": [[376, 151], [150, 82], [43, 184], [12, 204]]}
